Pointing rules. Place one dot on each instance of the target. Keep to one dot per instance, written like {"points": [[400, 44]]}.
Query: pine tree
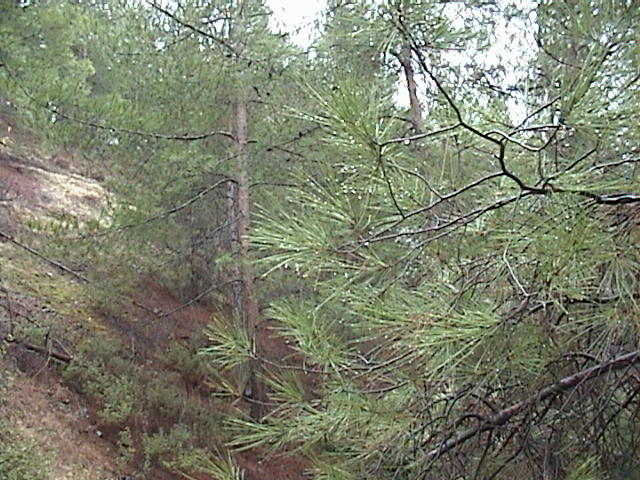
{"points": [[466, 323], [457, 281]]}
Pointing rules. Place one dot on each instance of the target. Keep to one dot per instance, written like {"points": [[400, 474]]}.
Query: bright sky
{"points": [[296, 17]]}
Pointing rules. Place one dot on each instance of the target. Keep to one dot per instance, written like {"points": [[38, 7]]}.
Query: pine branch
{"points": [[100, 126], [200, 295], [159, 216], [193, 28], [141, 133], [420, 136]]}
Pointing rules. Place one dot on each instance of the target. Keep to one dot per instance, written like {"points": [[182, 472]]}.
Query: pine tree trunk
{"points": [[250, 314], [412, 88]]}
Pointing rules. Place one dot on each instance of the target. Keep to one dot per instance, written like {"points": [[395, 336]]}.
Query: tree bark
{"points": [[412, 89], [254, 389]]}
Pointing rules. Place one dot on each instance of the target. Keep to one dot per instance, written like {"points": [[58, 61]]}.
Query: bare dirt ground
{"points": [[58, 421]]}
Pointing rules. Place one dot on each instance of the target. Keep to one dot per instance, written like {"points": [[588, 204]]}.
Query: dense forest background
{"points": [[416, 237]]}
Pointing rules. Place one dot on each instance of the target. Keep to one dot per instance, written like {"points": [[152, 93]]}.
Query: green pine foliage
{"points": [[441, 290], [442, 294]]}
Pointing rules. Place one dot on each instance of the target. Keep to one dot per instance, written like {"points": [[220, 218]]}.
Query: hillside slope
{"points": [[41, 414], [94, 393]]}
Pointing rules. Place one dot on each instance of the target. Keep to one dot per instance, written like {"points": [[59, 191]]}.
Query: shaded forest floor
{"points": [[47, 323]]}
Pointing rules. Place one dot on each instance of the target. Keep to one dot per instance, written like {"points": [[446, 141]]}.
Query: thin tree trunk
{"points": [[233, 247], [250, 314], [412, 88]]}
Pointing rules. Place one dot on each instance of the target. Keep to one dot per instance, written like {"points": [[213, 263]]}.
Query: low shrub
{"points": [[103, 371], [20, 459], [163, 448]]}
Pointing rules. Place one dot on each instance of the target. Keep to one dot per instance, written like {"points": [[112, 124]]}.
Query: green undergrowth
{"points": [[157, 422], [27, 275], [157, 410], [20, 457]]}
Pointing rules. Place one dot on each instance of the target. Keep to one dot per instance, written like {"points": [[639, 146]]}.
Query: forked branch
{"points": [[505, 415]]}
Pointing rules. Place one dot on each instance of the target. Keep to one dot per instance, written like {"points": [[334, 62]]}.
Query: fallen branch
{"points": [[60, 357], [503, 416], [42, 257], [9, 338]]}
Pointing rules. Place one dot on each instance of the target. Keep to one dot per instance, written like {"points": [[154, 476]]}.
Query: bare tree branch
{"points": [[32, 251], [159, 216], [505, 415], [193, 28]]}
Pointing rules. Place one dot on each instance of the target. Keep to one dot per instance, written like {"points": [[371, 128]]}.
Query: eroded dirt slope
{"points": [[36, 296]]}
